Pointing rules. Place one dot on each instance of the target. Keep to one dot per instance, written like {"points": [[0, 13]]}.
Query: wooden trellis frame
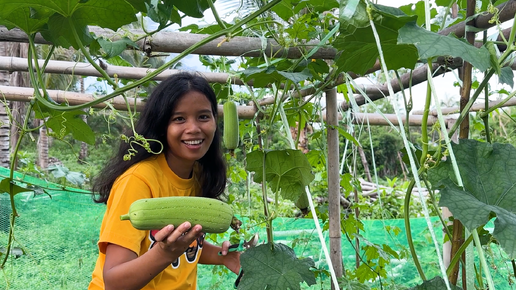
{"points": [[243, 46]]}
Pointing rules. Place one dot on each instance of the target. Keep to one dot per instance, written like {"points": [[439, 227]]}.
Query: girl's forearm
{"points": [[210, 254], [138, 272]]}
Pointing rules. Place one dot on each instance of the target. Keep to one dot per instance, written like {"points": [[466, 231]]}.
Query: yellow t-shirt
{"points": [[147, 179]]}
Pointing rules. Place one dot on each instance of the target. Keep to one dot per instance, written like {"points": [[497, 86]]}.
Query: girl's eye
{"points": [[204, 117], [178, 119]]}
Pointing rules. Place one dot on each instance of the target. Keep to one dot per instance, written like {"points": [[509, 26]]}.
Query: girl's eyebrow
{"points": [[206, 111]]}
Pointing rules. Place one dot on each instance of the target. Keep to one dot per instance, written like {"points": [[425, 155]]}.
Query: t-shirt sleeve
{"points": [[125, 191]]}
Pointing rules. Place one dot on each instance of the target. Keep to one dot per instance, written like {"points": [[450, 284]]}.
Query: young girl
{"points": [[181, 113]]}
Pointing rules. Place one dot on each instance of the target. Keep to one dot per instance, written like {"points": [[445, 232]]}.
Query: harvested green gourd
{"points": [[155, 213], [230, 134]]}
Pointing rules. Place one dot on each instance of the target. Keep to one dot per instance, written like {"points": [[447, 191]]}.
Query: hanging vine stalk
{"points": [[224, 32], [14, 213], [413, 165]]}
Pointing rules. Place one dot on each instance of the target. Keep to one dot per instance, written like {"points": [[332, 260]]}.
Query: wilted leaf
{"points": [[274, 267], [507, 76], [5, 187], [115, 48], [346, 284], [265, 76], [436, 283], [487, 172]]}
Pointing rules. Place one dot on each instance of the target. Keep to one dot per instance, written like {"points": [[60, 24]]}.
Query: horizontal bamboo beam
{"points": [[23, 94], [475, 108], [419, 75], [244, 112], [377, 119], [12, 64], [177, 42]]}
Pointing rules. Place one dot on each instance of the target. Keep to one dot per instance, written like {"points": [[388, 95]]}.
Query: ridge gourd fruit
{"points": [[213, 215], [230, 134]]}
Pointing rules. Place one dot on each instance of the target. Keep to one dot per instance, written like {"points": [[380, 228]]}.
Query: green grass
{"points": [[59, 237]]}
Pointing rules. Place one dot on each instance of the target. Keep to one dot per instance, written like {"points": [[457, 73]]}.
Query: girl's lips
{"points": [[193, 145], [193, 142]]}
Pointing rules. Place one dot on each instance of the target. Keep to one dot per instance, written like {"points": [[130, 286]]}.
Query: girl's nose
{"points": [[193, 127]]}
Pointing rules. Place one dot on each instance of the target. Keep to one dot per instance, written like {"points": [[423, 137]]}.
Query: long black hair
{"points": [[153, 123]]}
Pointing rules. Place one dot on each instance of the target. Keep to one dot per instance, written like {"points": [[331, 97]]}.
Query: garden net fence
{"points": [[55, 235]]}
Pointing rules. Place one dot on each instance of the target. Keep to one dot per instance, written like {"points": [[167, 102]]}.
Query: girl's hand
{"points": [[174, 242], [230, 259]]}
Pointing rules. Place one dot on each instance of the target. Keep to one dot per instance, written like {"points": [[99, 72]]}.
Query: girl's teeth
{"points": [[193, 142]]}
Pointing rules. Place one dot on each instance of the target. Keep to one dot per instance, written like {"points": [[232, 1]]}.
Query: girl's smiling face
{"points": [[190, 132]]}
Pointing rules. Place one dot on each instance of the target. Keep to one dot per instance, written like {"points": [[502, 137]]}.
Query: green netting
{"points": [[55, 244]]}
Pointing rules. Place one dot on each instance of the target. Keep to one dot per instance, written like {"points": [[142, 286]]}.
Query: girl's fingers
{"points": [[225, 247], [164, 233], [171, 234]]}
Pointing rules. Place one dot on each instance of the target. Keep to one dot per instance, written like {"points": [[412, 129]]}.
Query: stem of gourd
{"points": [[406, 142], [165, 66], [12, 165]]}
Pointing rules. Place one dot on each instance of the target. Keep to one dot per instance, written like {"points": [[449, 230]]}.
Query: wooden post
{"points": [[334, 182], [447, 246]]}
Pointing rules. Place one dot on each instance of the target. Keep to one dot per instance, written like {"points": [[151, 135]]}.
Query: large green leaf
{"points": [[487, 172], [59, 33], [317, 5], [430, 44], [71, 122], [353, 15], [284, 9], [64, 123], [419, 10], [287, 171], [26, 18], [274, 267], [357, 44], [107, 14], [193, 8]]}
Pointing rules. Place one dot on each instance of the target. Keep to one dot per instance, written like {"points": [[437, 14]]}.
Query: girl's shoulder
{"points": [[145, 167]]}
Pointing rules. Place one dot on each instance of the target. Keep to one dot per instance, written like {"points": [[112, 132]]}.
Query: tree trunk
{"points": [[334, 184], [4, 117], [83, 153], [303, 138], [43, 147], [466, 77], [364, 163], [18, 79]]}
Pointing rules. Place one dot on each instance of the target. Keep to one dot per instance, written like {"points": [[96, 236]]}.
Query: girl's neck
{"points": [[182, 170]]}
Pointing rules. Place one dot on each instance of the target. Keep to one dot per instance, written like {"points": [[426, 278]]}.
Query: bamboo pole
{"points": [[465, 75], [474, 108], [334, 182], [73, 98], [177, 42], [244, 112], [12, 64]]}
